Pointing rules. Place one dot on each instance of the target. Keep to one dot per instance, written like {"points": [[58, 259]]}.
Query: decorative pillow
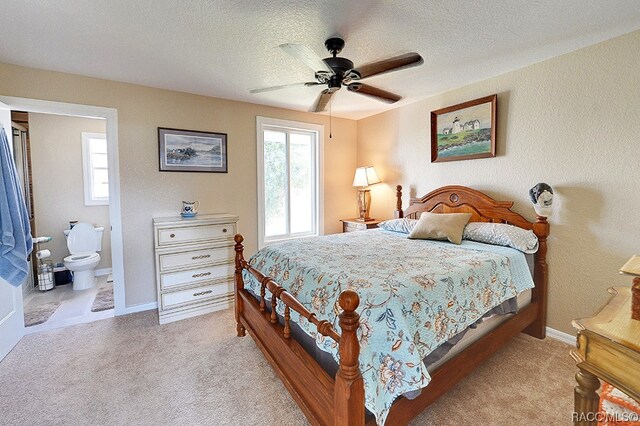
{"points": [[398, 225], [502, 234], [440, 226]]}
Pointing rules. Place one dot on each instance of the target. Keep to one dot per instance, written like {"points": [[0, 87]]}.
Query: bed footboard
{"points": [[324, 400]]}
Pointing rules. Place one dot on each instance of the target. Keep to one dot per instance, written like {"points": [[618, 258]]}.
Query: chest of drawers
{"points": [[194, 264]]}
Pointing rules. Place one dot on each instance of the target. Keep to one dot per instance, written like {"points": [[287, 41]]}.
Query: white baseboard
{"points": [[105, 271], [139, 308], [561, 336]]}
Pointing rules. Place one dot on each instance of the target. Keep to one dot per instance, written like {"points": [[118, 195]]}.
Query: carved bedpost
{"points": [[398, 213], [541, 279], [239, 282], [349, 386]]}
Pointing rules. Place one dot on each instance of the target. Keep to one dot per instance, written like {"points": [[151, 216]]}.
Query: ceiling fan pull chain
{"points": [[330, 119]]}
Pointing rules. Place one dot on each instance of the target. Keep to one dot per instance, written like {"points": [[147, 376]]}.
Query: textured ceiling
{"points": [[224, 48]]}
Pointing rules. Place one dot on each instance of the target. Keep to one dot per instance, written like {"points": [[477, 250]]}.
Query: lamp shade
{"points": [[365, 176]]}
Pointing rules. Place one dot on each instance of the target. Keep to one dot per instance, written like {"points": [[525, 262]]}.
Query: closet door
{"points": [[11, 310]]}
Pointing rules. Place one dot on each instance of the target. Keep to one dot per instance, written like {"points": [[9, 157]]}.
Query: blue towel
{"points": [[15, 240]]}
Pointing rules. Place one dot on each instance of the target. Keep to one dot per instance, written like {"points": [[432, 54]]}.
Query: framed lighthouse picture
{"points": [[464, 131]]}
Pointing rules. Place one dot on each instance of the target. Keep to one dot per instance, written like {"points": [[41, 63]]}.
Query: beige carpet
{"points": [[131, 371]]}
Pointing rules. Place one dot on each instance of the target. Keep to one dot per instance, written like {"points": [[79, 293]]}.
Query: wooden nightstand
{"points": [[608, 348], [350, 225]]}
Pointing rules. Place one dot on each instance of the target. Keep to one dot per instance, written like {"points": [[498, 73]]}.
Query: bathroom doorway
{"points": [[68, 184], [74, 176]]}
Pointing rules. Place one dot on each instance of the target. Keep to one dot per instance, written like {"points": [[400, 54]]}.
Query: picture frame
{"points": [[192, 151], [464, 131]]}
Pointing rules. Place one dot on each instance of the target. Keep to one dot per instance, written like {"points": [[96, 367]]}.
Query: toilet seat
{"points": [[80, 258]]}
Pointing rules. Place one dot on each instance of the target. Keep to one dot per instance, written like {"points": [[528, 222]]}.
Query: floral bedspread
{"points": [[414, 296]]}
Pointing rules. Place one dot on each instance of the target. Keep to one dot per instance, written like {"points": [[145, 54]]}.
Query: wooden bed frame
{"points": [[340, 400]]}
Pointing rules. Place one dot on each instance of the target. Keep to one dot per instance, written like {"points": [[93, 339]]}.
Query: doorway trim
{"points": [[110, 115]]}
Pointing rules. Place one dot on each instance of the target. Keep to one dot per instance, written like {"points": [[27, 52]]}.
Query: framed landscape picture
{"points": [[192, 151], [464, 131]]}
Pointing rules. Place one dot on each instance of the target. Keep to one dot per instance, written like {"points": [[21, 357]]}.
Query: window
{"points": [[95, 167], [289, 181]]}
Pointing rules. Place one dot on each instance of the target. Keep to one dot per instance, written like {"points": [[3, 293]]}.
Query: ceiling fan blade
{"points": [[306, 56], [392, 64], [323, 100], [283, 86], [374, 92]]}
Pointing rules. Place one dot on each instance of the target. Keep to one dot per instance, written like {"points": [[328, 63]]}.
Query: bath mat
{"points": [[37, 314], [103, 300]]}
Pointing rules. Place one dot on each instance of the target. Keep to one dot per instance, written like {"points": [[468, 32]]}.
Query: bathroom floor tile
{"points": [[75, 306]]}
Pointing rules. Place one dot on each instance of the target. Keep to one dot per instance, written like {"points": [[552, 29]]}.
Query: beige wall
{"points": [[58, 188], [572, 122], [146, 192]]}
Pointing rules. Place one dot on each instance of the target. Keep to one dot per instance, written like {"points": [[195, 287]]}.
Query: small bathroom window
{"points": [[95, 167]]}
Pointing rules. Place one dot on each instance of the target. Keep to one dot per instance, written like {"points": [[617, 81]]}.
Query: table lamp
{"points": [[364, 177], [632, 267]]}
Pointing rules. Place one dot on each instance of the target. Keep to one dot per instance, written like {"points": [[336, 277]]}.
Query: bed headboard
{"points": [[460, 199]]}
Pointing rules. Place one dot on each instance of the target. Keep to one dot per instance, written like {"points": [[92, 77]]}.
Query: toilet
{"points": [[84, 242]]}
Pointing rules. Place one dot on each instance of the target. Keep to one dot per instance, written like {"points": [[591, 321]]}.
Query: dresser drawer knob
{"points": [[172, 235], [204, 274], [202, 256], [224, 229], [202, 293]]}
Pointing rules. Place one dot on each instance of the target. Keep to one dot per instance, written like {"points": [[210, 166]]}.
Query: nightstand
{"points": [[608, 347], [350, 225]]}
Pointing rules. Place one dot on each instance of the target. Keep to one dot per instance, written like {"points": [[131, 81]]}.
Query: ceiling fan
{"points": [[336, 72]]}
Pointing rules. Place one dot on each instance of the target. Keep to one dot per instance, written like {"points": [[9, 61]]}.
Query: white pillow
{"points": [[502, 234], [440, 226], [403, 225]]}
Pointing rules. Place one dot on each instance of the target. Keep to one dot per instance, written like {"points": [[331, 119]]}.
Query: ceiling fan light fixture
{"points": [[335, 83]]}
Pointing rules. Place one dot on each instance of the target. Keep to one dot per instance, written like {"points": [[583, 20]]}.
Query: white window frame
{"points": [[265, 123], [87, 168]]}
